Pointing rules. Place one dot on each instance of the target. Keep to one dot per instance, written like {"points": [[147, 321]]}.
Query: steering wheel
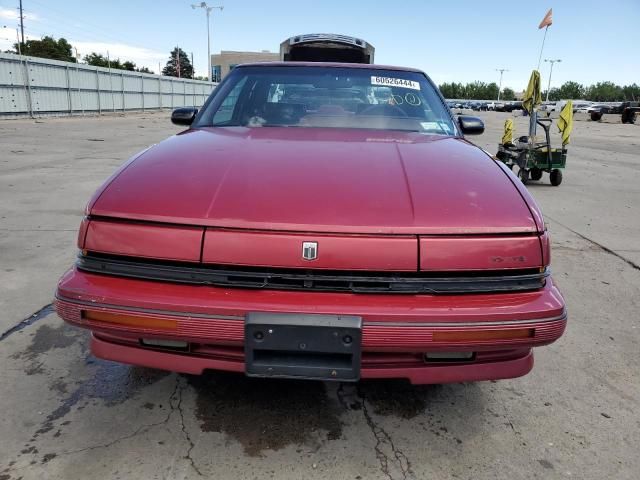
{"points": [[386, 110]]}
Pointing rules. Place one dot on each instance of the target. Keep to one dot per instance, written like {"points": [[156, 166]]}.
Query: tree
{"points": [[600, 92], [631, 92], [472, 91], [450, 90], [508, 94], [99, 60], [129, 65], [48, 47], [604, 92], [554, 95], [569, 91], [96, 59], [143, 70], [178, 61]]}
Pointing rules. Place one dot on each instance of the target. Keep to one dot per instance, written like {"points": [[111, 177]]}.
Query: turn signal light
{"points": [[466, 336], [131, 320]]}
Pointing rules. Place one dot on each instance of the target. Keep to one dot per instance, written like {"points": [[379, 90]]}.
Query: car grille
{"points": [[316, 280]]}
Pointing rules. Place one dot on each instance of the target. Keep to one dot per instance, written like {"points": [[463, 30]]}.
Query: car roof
{"points": [[370, 66]]}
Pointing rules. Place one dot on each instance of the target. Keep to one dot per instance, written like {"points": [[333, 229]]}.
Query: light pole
{"points": [[501, 70], [550, 73], [207, 9], [21, 22]]}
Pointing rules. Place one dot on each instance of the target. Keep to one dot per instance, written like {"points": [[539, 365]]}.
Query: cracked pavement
{"points": [[71, 416]]}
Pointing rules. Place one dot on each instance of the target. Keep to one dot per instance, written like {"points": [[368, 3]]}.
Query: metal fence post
{"points": [[142, 90], [98, 89], [113, 100], [79, 93], [66, 71], [28, 86], [122, 85], [160, 93]]}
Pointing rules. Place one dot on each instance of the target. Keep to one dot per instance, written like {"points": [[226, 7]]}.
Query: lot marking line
{"points": [[599, 245], [31, 319]]}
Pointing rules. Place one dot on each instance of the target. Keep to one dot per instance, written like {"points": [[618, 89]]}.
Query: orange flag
{"points": [[547, 20]]}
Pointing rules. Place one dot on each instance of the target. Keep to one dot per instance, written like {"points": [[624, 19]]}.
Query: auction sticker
{"points": [[394, 82]]}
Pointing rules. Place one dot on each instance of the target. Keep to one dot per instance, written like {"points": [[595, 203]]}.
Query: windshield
{"points": [[329, 97]]}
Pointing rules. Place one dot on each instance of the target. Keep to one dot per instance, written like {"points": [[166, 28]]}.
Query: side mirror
{"points": [[470, 125], [183, 116]]}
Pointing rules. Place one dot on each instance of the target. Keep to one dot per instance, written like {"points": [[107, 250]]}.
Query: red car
{"points": [[317, 220]]}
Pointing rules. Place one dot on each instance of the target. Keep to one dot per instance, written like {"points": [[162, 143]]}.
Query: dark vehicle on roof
{"points": [[326, 47]]}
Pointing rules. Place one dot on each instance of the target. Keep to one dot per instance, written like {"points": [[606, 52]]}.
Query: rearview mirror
{"points": [[183, 116], [470, 125]]}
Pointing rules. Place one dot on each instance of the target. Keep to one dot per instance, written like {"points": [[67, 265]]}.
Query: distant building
{"points": [[226, 60]]}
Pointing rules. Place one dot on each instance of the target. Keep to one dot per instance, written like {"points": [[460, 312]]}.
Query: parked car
{"points": [[491, 106], [512, 105], [581, 107], [596, 111], [344, 241], [499, 106], [597, 107]]}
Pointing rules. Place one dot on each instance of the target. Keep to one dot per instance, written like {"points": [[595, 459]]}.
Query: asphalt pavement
{"points": [[68, 415]]}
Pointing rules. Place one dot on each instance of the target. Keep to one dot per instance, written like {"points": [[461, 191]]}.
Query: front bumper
{"points": [[397, 329]]}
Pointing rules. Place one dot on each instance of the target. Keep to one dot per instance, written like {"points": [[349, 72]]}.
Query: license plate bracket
{"points": [[303, 346]]}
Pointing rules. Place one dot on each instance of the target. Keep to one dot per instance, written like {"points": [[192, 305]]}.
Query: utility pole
{"points": [[193, 69], [21, 22], [550, 73], [207, 9], [501, 70]]}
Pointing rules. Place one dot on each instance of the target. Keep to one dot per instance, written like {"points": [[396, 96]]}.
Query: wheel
{"points": [[629, 117], [595, 116], [523, 175], [556, 177], [536, 173]]}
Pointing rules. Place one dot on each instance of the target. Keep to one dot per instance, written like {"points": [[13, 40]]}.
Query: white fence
{"points": [[31, 86]]}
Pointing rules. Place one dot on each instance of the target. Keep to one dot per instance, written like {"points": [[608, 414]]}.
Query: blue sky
{"points": [[452, 41]]}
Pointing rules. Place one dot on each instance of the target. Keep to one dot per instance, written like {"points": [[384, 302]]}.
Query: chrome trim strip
{"points": [[149, 310], [562, 316]]}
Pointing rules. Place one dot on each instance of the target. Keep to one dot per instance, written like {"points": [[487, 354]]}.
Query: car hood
{"points": [[318, 180]]}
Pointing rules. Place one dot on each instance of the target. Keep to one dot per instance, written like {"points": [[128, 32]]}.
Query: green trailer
{"points": [[535, 158]]}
